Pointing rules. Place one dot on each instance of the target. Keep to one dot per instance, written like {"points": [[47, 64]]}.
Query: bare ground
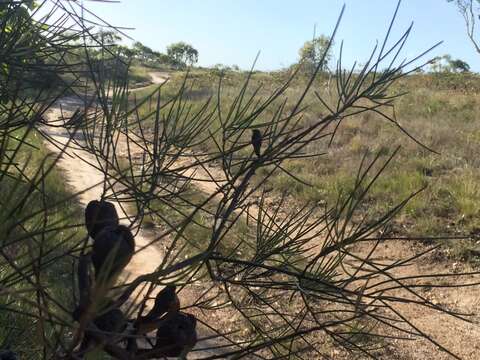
{"points": [[82, 176], [457, 335], [460, 337]]}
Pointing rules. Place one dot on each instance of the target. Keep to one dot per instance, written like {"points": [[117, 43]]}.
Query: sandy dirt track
{"points": [[80, 173], [461, 337]]}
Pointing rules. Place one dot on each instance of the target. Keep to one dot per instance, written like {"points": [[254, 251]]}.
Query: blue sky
{"points": [[233, 32]]}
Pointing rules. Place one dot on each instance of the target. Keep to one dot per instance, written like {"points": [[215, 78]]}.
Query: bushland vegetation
{"points": [[268, 195]]}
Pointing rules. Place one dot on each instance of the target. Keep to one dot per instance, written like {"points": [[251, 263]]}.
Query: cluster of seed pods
{"points": [[106, 325]]}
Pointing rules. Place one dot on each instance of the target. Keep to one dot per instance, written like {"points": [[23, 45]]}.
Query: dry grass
{"points": [[439, 110]]}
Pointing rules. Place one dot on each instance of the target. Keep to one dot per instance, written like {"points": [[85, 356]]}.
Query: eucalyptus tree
{"points": [[317, 50], [182, 54]]}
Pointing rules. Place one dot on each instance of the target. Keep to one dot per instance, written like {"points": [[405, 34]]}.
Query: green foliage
{"points": [[107, 37], [35, 220], [265, 275], [445, 63], [458, 65], [178, 55], [317, 51], [25, 49], [142, 52], [182, 54]]}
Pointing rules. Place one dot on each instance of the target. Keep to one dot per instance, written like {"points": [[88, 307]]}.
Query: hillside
{"points": [[437, 110], [152, 208]]}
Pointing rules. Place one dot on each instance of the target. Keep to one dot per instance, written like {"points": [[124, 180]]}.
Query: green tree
{"points": [[182, 54], [458, 65], [142, 52], [317, 50], [26, 48], [161, 58], [108, 37], [125, 51], [446, 63], [22, 7]]}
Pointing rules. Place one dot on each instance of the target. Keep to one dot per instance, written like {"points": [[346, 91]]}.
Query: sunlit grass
{"points": [[440, 111], [55, 234]]}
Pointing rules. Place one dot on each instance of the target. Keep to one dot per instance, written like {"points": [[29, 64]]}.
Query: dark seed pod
{"points": [[176, 336], [109, 324], [84, 285], [256, 141], [112, 250], [7, 355], [165, 301], [98, 215], [112, 321]]}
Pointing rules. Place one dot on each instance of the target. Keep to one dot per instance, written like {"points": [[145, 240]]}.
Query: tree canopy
{"points": [[446, 63], [182, 54], [317, 50]]}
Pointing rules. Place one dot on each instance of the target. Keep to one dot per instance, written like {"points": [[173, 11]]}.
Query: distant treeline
{"points": [[178, 55]]}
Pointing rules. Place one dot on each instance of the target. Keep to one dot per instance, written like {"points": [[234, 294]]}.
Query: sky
{"points": [[234, 31]]}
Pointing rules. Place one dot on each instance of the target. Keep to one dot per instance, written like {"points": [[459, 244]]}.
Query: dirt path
{"points": [[157, 78], [457, 335], [87, 180], [460, 337], [80, 173]]}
